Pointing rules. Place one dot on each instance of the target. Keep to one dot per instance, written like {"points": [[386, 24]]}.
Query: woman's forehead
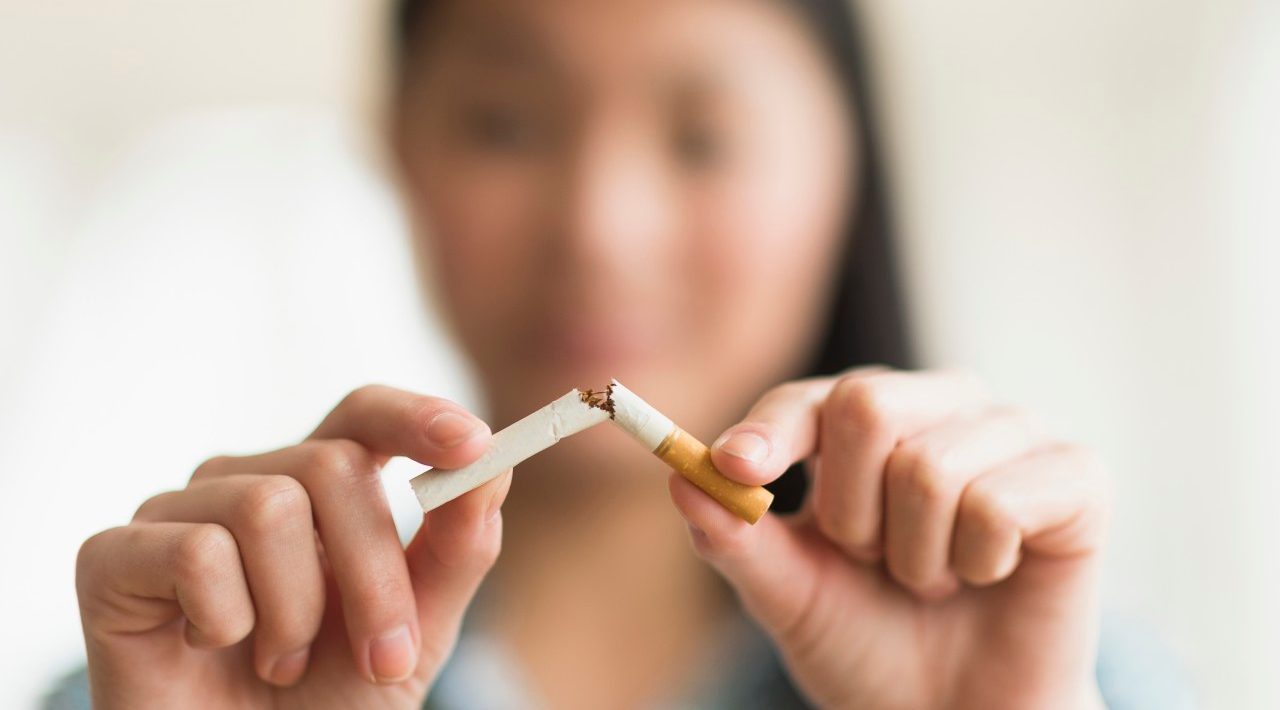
{"points": [[616, 40]]}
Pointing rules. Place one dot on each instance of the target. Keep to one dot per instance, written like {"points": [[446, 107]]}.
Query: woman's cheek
{"points": [[765, 264], [481, 230]]}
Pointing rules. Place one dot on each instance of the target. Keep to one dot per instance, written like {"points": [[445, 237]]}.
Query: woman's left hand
{"points": [[947, 555]]}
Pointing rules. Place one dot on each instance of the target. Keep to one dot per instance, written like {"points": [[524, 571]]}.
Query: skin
{"points": [[653, 190]]}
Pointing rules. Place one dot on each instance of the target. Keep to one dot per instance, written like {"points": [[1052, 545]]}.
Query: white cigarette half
{"points": [[684, 453], [565, 416]]}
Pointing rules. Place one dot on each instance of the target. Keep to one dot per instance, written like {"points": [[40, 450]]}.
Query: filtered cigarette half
{"points": [[684, 453]]}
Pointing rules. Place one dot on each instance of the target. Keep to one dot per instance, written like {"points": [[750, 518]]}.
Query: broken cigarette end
{"points": [[599, 399]]}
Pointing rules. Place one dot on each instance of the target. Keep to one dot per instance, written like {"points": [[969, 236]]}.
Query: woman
{"points": [[681, 194]]}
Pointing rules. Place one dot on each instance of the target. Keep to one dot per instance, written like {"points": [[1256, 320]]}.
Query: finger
{"points": [[364, 554], [1053, 503], [452, 551], [924, 478], [270, 517], [773, 572], [122, 572], [392, 422], [361, 546], [780, 429], [862, 420]]}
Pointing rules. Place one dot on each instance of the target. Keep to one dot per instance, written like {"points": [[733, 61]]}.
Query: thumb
{"points": [[447, 559], [773, 570]]}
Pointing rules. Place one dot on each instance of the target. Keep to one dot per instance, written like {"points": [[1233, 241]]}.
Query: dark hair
{"points": [[866, 319]]}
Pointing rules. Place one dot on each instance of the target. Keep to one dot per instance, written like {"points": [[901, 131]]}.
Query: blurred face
{"points": [[651, 190]]}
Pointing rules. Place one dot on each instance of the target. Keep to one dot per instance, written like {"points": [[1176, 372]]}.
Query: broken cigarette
{"points": [[580, 410]]}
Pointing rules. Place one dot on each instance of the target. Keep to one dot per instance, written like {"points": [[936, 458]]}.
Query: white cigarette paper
{"points": [[638, 418], [565, 416]]}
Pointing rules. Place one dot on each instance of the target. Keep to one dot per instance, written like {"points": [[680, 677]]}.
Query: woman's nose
{"points": [[619, 204]]}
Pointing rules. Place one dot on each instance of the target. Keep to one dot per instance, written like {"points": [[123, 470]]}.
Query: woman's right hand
{"points": [[278, 580]]}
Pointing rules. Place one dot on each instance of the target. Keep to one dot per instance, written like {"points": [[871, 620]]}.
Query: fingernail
{"points": [[745, 445], [289, 668], [392, 656], [449, 428]]}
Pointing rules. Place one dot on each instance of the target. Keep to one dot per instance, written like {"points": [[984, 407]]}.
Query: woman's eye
{"points": [[499, 128]]}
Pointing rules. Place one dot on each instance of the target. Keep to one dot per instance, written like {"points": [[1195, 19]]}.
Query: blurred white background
{"points": [[199, 254]]}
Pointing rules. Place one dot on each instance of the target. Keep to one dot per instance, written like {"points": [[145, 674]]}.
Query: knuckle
{"points": [[272, 502], [861, 403], [923, 473], [212, 466], [148, 509], [206, 551], [339, 458], [989, 510], [90, 557]]}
